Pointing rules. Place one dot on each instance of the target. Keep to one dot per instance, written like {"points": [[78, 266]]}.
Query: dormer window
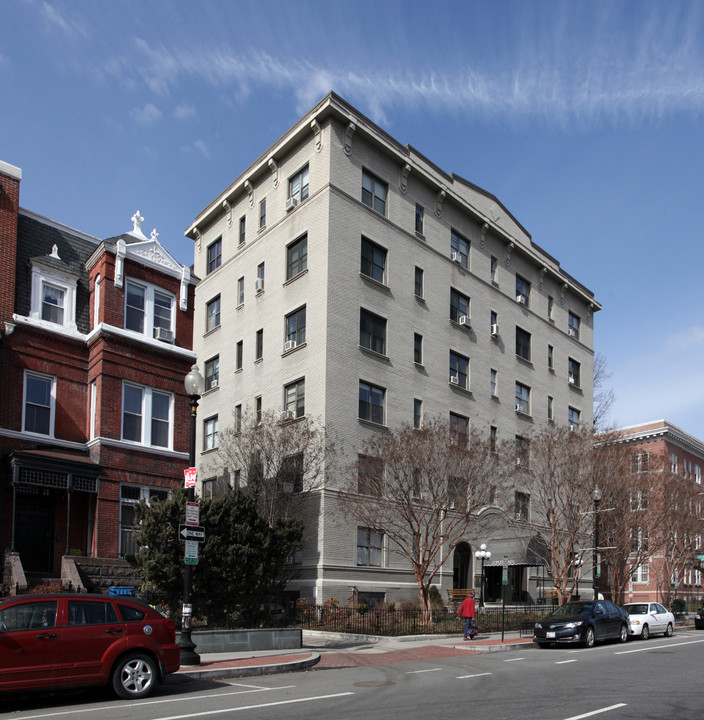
{"points": [[53, 297], [149, 311]]}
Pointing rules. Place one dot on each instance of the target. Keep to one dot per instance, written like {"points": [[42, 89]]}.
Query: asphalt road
{"points": [[659, 678]]}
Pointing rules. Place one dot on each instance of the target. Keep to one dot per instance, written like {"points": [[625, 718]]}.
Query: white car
{"points": [[648, 618]]}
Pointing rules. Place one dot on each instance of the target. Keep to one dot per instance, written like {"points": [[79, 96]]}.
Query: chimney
{"points": [[10, 177]]}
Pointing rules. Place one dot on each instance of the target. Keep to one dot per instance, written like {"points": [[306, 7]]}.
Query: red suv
{"points": [[49, 641]]}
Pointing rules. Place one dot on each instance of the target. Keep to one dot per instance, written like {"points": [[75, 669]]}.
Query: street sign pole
{"points": [[504, 583]]}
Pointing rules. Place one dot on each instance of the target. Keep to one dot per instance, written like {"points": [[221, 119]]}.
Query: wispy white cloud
{"points": [[185, 112], [198, 146], [148, 115], [56, 20]]}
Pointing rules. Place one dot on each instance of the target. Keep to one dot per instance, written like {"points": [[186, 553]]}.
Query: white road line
{"points": [[221, 711], [464, 677], [564, 662], [514, 659], [659, 646], [597, 712], [417, 672]]}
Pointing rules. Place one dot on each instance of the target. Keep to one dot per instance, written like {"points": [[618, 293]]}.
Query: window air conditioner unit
{"points": [[454, 380], [570, 379], [571, 332], [518, 407], [287, 415], [289, 345], [259, 284], [573, 428], [213, 384], [464, 320], [456, 257], [521, 299], [291, 203], [494, 330], [163, 334]]}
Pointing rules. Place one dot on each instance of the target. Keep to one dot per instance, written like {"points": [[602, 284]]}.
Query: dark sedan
{"points": [[583, 623]]}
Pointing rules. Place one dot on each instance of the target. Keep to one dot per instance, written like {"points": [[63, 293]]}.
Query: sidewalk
{"points": [[333, 650]]}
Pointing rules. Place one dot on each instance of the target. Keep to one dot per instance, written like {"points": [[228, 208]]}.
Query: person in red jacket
{"points": [[467, 612]]}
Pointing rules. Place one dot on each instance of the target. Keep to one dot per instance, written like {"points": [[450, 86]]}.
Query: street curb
{"points": [[247, 671], [495, 648]]}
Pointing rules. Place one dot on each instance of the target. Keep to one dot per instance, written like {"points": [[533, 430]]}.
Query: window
{"points": [[371, 403], [259, 353], [259, 286], [493, 323], [39, 403], [522, 344], [459, 430], [640, 499], [130, 496], [214, 255], [212, 373], [419, 219], [210, 433], [522, 451], [417, 413], [698, 474], [53, 297], [258, 409], [459, 247], [243, 227], [53, 303], [419, 282], [673, 463], [373, 261], [239, 352], [295, 398], [240, 291], [212, 314], [262, 214], [372, 332], [640, 462], [146, 416], [494, 383], [573, 373], [551, 308], [292, 473], [457, 493], [89, 612], [522, 398], [522, 505], [238, 418], [459, 305], [417, 349], [148, 311], [374, 192], [296, 327], [551, 408], [370, 475], [551, 357], [573, 325], [522, 291], [494, 270], [573, 418], [369, 544], [459, 370], [639, 539], [493, 435], [298, 186], [297, 257], [641, 573]]}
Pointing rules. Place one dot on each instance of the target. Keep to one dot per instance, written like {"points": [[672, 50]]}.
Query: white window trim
{"points": [[147, 417], [67, 283], [149, 289], [52, 403]]}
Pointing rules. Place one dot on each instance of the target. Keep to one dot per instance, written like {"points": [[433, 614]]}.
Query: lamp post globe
{"points": [[482, 554], [596, 497]]}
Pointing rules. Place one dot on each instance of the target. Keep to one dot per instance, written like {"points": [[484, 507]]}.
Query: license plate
{"points": [[550, 634]]}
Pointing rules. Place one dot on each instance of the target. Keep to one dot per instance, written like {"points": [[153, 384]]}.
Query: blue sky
{"points": [[584, 118]]}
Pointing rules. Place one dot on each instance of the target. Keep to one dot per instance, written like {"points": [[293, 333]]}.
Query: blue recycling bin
{"points": [[114, 590]]}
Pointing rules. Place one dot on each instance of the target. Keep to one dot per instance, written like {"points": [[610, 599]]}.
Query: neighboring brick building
{"points": [[96, 340], [346, 276], [670, 459]]}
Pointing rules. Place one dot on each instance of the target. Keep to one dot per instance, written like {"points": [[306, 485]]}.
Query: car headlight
{"points": [[572, 625], [635, 622], [538, 626]]}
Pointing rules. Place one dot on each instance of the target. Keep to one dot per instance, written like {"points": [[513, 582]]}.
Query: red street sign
{"points": [[190, 475], [192, 513]]}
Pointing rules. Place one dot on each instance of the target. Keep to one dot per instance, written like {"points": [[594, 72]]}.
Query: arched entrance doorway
{"points": [[462, 557]]}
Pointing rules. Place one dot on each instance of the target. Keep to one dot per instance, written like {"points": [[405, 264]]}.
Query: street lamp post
{"points": [[482, 554], [596, 497], [195, 385]]}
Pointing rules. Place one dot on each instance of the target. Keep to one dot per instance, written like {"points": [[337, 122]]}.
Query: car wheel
{"points": [[134, 676], [542, 646], [645, 633], [670, 630], [589, 637], [623, 635]]}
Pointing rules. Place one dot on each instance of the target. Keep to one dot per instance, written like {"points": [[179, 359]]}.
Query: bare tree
{"points": [[603, 395], [421, 488], [560, 468], [280, 461]]}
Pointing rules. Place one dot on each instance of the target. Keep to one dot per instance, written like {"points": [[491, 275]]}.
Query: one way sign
{"points": [[189, 532]]}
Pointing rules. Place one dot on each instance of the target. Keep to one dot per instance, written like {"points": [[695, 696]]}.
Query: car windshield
{"points": [[640, 609], [572, 608]]}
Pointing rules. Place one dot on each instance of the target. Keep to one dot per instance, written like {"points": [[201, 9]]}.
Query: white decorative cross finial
{"points": [[154, 234], [137, 221], [55, 252]]}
